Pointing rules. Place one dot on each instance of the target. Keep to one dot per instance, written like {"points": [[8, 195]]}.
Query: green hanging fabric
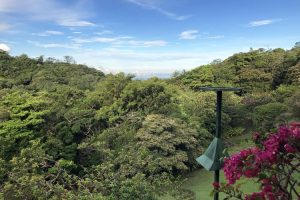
{"points": [[211, 159]]}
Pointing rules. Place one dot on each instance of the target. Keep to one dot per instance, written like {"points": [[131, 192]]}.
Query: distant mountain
{"points": [[145, 76]]}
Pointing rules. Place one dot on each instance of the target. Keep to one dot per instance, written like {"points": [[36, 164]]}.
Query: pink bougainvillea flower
{"points": [[289, 148], [256, 196], [256, 161], [216, 185]]}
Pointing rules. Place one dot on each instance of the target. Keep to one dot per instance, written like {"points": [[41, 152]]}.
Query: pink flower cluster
{"points": [[268, 192], [256, 196], [275, 149], [251, 161], [240, 164]]}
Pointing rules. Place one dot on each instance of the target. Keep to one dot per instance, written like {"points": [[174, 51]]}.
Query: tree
{"points": [[24, 123], [266, 117], [297, 45], [147, 97], [168, 144], [178, 73], [202, 76], [69, 60], [293, 74], [40, 59], [216, 61]]}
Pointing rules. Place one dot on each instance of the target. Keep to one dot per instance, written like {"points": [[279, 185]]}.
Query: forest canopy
{"points": [[68, 131]]}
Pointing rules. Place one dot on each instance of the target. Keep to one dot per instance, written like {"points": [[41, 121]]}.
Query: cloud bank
{"points": [[4, 47]]}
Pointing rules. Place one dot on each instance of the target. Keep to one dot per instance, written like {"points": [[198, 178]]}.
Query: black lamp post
{"points": [[210, 160]]}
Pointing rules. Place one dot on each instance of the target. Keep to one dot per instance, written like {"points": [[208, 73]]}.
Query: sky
{"points": [[146, 37]]}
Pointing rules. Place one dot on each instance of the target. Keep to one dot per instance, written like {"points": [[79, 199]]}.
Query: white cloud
{"points": [[4, 47], [7, 5], [49, 33], [134, 61], [121, 41], [193, 34], [46, 10], [4, 26], [152, 5], [95, 39], [105, 40], [189, 34], [263, 22], [214, 37], [54, 45], [149, 43], [54, 32], [105, 32], [74, 23]]}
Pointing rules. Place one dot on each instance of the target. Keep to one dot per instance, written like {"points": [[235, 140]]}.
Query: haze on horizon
{"points": [[146, 36]]}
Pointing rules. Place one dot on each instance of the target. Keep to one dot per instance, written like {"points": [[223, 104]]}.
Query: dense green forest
{"points": [[71, 132]]}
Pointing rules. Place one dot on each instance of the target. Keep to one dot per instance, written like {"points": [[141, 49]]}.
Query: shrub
{"points": [[273, 162], [266, 116]]}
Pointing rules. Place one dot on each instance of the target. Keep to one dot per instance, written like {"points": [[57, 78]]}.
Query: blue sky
{"points": [[146, 36]]}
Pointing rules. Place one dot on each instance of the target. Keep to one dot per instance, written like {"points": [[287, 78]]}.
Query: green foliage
{"points": [[22, 118], [39, 75], [151, 96], [293, 74], [255, 71], [170, 143], [266, 117], [109, 144], [233, 132], [70, 132], [202, 76], [284, 91], [294, 104], [25, 180], [135, 188]]}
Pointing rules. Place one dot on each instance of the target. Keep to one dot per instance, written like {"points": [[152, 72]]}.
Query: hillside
{"points": [[69, 131], [45, 74], [255, 71]]}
